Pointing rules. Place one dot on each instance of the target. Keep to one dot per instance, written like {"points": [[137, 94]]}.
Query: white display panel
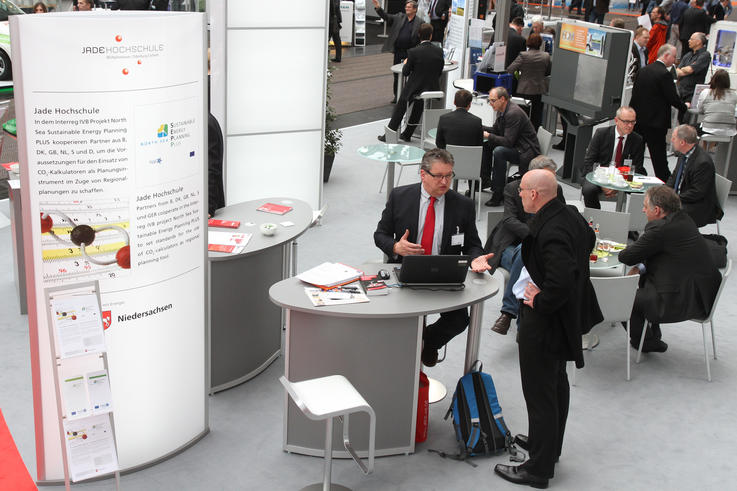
{"points": [[285, 13], [262, 166], [111, 135], [271, 89]]}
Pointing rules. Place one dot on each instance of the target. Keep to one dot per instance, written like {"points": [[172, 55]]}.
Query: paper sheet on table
{"points": [[98, 385], [78, 325], [330, 274], [644, 21], [321, 298], [227, 241], [647, 179], [90, 447]]}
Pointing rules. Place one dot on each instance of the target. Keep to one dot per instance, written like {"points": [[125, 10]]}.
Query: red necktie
{"points": [[429, 229], [618, 154]]}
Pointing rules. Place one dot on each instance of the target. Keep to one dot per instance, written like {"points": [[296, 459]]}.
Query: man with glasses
{"points": [[613, 144], [652, 97], [430, 218], [404, 32], [512, 140]]}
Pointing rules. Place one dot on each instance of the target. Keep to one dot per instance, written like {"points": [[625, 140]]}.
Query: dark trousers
{"points": [[414, 117], [494, 165], [438, 30], [449, 325], [547, 394], [536, 108], [590, 194], [575, 4], [655, 140], [644, 308], [399, 56], [335, 36]]}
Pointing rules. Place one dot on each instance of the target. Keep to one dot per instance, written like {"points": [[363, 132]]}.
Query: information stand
{"points": [[359, 27], [83, 397]]}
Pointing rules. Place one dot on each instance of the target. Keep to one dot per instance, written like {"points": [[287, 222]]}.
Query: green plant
{"points": [[333, 136]]}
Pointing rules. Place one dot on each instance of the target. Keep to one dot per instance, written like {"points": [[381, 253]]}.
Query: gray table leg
{"points": [[473, 340], [621, 200], [389, 178]]}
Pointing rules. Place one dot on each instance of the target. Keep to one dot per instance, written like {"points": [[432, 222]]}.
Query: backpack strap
{"points": [[473, 411]]}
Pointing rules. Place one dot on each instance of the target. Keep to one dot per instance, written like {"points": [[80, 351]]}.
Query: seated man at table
{"points": [[612, 144], [423, 68], [505, 241], [460, 127], [512, 139], [693, 177], [431, 218], [678, 279]]}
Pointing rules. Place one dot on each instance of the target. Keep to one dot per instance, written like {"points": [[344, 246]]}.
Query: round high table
{"points": [[623, 190], [245, 328], [392, 154], [605, 266], [448, 67], [376, 345]]}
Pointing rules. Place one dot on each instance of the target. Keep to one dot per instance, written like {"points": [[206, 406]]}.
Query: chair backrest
{"points": [[390, 135], [431, 118], [545, 139], [613, 225], [723, 185], [638, 219], [725, 274], [615, 294], [467, 161], [492, 219]]}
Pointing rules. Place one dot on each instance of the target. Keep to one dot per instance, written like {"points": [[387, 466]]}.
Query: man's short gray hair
{"points": [[666, 48], [623, 109], [663, 197], [701, 37], [543, 162], [413, 2], [687, 133], [436, 155]]}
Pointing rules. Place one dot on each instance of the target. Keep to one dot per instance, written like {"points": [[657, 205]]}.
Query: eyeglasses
{"points": [[438, 177], [492, 101], [520, 189], [627, 121]]}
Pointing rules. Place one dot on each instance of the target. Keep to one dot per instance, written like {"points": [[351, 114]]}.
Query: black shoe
{"points": [[406, 138], [336, 60], [496, 199], [521, 441], [501, 326], [429, 357], [518, 475], [654, 346], [381, 138]]}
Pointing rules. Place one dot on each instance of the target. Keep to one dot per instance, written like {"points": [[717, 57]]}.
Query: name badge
{"points": [[456, 240]]}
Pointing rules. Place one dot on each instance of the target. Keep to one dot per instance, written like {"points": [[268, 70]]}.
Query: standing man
{"points": [[404, 33], [639, 50], [512, 139], [559, 305], [596, 10], [693, 67], [515, 42], [694, 19], [693, 177], [612, 144], [678, 279], [335, 20], [423, 68], [439, 13], [431, 218], [652, 97], [658, 32], [676, 11]]}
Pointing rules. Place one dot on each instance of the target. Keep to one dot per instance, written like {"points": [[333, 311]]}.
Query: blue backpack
{"points": [[477, 418]]}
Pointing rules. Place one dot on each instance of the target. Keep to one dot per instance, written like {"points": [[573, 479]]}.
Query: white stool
{"points": [[325, 398]]}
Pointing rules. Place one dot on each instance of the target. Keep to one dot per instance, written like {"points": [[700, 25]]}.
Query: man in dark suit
{"points": [[678, 279], [439, 14], [653, 95], [335, 19], [693, 19], [215, 193], [595, 13], [505, 241], [431, 218], [403, 33], [693, 177], [639, 49], [613, 144], [559, 305], [423, 67], [512, 139], [515, 41]]}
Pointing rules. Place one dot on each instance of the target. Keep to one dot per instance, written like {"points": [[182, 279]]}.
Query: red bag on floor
{"points": [[423, 409]]}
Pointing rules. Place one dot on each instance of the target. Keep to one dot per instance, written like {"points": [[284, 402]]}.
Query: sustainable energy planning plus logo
{"points": [[163, 131]]}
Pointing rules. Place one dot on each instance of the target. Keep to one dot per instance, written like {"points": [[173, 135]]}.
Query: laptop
{"points": [[445, 270]]}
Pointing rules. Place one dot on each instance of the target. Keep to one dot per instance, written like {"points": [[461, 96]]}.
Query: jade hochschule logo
{"points": [[134, 53]]}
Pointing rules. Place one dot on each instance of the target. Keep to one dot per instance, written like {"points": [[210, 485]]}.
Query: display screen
{"points": [[724, 49]]}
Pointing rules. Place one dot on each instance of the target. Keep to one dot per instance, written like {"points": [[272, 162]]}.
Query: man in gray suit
{"points": [[404, 29], [678, 279]]}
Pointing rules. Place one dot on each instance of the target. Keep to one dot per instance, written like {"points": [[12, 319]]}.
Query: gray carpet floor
{"points": [[667, 429]]}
